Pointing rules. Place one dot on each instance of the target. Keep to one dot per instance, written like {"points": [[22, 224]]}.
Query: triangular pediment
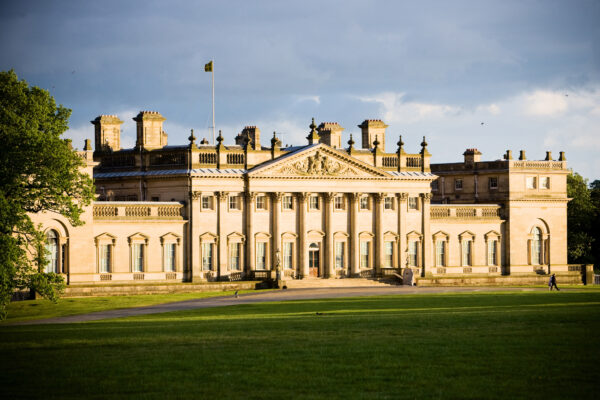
{"points": [[318, 161]]}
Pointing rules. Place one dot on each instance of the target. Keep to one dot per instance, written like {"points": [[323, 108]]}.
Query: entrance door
{"points": [[313, 259]]}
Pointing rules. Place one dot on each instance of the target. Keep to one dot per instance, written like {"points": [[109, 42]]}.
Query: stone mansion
{"points": [[200, 211]]}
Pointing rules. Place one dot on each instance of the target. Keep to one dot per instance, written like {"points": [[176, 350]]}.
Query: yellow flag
{"points": [[208, 67]]}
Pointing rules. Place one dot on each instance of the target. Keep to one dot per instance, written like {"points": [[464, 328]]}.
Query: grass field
{"points": [[476, 345]]}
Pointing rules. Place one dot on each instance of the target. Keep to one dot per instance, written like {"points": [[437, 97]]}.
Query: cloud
{"points": [[544, 103], [316, 99], [394, 108]]}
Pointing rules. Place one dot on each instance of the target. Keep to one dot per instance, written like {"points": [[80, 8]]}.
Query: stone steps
{"points": [[337, 283], [511, 280]]}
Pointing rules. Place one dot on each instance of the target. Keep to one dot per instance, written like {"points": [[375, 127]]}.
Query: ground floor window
{"points": [[339, 255], [467, 247], [413, 251], [234, 256], [288, 255], [105, 251], [170, 253], [364, 254], [261, 255], [536, 247], [440, 253], [52, 252], [207, 256], [138, 257], [492, 255], [388, 256]]}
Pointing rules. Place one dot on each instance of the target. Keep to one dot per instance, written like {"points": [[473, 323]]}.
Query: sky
{"points": [[493, 75]]}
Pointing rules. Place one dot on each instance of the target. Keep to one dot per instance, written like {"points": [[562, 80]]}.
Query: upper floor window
{"points": [[413, 203], [338, 202], [458, 184], [261, 202], [493, 182], [531, 182], [364, 202], [435, 185], [388, 203], [207, 202], [234, 202], [287, 202], [545, 182], [314, 202]]}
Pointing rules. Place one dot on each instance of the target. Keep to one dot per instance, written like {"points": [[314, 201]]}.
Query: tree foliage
{"points": [[39, 171], [583, 218]]}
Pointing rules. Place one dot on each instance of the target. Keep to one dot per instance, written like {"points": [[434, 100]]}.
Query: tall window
{"points": [[261, 203], [234, 202], [536, 244], [364, 254], [170, 257], [207, 256], [52, 254], [388, 203], [467, 247], [364, 203], [234, 256], [261, 255], [339, 255], [338, 202], [493, 183], [413, 203], [105, 251], [458, 184], [138, 257], [440, 253], [492, 254], [314, 202], [413, 251], [388, 256], [288, 255], [287, 202]]}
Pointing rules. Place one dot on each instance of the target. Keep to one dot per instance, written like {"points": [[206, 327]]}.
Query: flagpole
{"points": [[213, 99]]}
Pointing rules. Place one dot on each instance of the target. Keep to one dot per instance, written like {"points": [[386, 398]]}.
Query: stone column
{"points": [[354, 246], [302, 264], [221, 234], [402, 251], [378, 243], [329, 249], [276, 236], [193, 271], [250, 266], [425, 218]]}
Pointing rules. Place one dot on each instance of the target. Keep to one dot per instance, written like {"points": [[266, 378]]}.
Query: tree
{"points": [[39, 171], [581, 215]]}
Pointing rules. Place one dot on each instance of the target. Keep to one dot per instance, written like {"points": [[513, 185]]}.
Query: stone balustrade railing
{"points": [[465, 211], [136, 210]]}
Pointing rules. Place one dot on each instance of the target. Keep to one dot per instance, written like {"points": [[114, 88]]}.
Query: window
{"points": [[338, 202], [388, 256], [234, 256], [340, 261], [287, 202], [364, 254], [531, 182], [234, 203], [138, 257], [314, 202], [288, 255], [545, 182], [261, 202], [492, 255], [105, 251], [388, 203], [169, 262], [155, 198], [440, 253], [52, 254], [364, 202], [413, 251], [413, 203], [435, 185], [207, 256], [207, 202], [493, 182], [536, 247], [458, 184], [261, 255], [467, 246]]}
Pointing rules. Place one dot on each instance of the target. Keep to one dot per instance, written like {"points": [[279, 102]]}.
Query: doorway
{"points": [[313, 259]]}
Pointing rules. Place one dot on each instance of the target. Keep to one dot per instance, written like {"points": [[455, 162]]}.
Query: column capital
{"points": [[196, 194], [250, 196], [302, 195], [402, 196], [355, 196], [379, 196], [277, 196], [426, 196], [329, 196], [221, 195]]}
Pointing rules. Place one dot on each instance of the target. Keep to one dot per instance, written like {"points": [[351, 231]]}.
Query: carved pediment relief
{"points": [[318, 164]]}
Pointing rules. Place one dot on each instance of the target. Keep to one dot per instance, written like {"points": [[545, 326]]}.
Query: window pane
{"points": [[339, 255], [261, 255], [207, 256], [138, 257], [389, 254], [412, 253], [364, 254], [105, 258], [389, 203], [287, 202], [440, 253], [492, 252], [287, 255], [234, 256], [466, 252]]}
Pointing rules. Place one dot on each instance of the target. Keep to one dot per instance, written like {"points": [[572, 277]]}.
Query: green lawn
{"points": [[37, 309], [477, 345]]}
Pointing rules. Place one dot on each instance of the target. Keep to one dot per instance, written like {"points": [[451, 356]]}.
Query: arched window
{"points": [[536, 247], [52, 248]]}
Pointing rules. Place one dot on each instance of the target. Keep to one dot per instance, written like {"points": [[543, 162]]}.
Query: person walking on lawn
{"points": [[552, 283]]}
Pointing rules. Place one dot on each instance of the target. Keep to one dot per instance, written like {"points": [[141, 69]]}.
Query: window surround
{"points": [[417, 237], [489, 237], [467, 260], [210, 239], [235, 238], [390, 237], [288, 238], [441, 237], [364, 202], [171, 238], [287, 202], [493, 183], [341, 237], [105, 239], [339, 202], [314, 202], [544, 245], [138, 239], [413, 203], [263, 237], [234, 202], [207, 202], [261, 198], [388, 203], [458, 184], [366, 237]]}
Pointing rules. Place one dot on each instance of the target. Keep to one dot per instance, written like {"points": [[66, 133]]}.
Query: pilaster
{"points": [[275, 235], [301, 209], [249, 207], [378, 248], [425, 229], [222, 239], [329, 250], [402, 209], [193, 272], [354, 244]]}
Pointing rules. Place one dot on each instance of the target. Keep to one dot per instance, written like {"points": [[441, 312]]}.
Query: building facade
{"points": [[228, 212]]}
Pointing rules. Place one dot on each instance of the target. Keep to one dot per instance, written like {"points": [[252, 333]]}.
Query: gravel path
{"points": [[249, 298]]}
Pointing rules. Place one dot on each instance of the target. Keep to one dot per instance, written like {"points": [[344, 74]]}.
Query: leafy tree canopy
{"points": [[39, 171], [583, 216]]}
